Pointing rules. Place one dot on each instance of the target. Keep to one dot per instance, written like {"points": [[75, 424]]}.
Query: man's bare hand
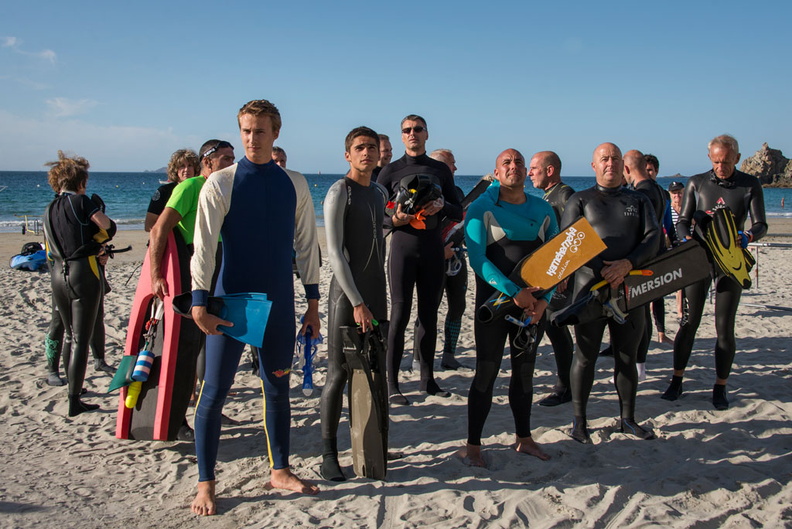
{"points": [[311, 319], [614, 272], [208, 322]]}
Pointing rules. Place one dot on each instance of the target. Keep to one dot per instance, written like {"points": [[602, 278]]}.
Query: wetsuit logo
{"points": [[631, 211], [719, 204], [281, 372], [571, 244]]}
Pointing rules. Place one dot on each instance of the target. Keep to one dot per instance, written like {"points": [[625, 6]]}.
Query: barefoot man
{"points": [[262, 213], [502, 226]]}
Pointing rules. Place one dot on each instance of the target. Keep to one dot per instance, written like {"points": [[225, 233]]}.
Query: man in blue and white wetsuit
{"points": [[502, 226], [262, 213]]}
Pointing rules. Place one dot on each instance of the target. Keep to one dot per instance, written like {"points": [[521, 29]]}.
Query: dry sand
{"points": [[707, 469]]}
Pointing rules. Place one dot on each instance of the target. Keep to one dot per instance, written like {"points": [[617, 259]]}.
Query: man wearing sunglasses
{"points": [[416, 260], [723, 186]]}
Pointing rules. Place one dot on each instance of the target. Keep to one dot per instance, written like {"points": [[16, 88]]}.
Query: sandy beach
{"points": [[707, 469]]}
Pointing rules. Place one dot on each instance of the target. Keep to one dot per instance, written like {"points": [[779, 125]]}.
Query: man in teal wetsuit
{"points": [[263, 214], [501, 227]]}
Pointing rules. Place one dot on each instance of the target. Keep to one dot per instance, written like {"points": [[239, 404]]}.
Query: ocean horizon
{"points": [[127, 195]]}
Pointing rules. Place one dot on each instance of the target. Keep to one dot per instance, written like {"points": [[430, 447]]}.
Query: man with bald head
{"points": [[625, 221], [723, 186], [637, 175], [545, 174], [502, 226]]}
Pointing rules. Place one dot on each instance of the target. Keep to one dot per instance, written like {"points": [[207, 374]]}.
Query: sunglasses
{"points": [[409, 130], [220, 145]]}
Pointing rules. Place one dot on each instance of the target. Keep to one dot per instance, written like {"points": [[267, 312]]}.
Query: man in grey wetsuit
{"points": [[353, 212], [545, 173]]}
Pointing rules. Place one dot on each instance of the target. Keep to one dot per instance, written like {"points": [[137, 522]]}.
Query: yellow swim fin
{"points": [[723, 242]]}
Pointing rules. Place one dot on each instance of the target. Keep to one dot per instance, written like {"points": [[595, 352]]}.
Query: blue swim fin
{"points": [[249, 312]]}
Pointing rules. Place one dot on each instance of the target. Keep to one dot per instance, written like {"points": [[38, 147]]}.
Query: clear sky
{"points": [[126, 84]]}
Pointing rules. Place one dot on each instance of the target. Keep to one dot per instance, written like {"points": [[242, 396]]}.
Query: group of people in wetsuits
{"points": [[502, 226]]}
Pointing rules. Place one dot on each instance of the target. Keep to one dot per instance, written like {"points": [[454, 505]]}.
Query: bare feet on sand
{"points": [[205, 503], [662, 338], [526, 445], [283, 478], [471, 456]]}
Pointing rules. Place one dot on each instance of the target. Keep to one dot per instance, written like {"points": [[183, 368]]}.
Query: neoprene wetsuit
{"points": [[560, 337], [356, 250], [416, 262], [74, 241], [499, 235], [625, 221], [654, 193], [262, 213], [703, 194]]}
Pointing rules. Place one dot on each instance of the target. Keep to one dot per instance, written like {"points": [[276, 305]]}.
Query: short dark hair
{"points": [[211, 147], [262, 107], [383, 137], [276, 149], [652, 159], [414, 117], [358, 132]]}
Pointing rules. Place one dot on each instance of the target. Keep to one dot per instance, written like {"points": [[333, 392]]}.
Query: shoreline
{"points": [[11, 243]]}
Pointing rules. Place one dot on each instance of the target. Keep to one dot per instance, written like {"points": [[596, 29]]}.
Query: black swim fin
{"points": [[368, 405]]}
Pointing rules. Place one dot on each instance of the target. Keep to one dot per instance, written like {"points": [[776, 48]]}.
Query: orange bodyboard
{"points": [[559, 257]]}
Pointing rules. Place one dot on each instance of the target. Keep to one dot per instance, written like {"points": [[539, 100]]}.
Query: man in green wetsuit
{"points": [[181, 208]]}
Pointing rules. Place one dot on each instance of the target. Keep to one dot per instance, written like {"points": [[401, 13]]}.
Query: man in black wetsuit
{"points": [[545, 173], [625, 221], [723, 186], [638, 178], [353, 212], [668, 224], [416, 257], [386, 153], [455, 280]]}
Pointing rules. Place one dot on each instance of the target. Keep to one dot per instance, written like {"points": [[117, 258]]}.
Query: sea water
{"points": [[127, 195]]}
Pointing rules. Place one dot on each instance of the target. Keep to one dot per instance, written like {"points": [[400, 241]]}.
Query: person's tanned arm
{"points": [[157, 241]]}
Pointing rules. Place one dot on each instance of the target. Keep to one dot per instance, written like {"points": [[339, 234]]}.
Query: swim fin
{"points": [[722, 240], [368, 405], [123, 375], [248, 311]]}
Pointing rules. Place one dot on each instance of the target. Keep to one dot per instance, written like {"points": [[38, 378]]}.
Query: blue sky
{"points": [[126, 84]]}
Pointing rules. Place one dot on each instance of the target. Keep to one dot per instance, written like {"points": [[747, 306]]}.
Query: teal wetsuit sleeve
{"points": [[334, 213], [306, 243], [476, 227]]}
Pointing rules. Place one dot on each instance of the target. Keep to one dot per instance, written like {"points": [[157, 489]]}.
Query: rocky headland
{"points": [[770, 166]]}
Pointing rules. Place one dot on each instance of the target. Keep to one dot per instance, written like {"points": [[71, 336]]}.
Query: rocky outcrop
{"points": [[770, 167]]}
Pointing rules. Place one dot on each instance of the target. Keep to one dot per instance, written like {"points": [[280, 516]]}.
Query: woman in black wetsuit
{"points": [[75, 228], [183, 164]]}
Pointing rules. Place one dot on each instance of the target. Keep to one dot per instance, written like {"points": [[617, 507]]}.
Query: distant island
{"points": [[160, 170]]}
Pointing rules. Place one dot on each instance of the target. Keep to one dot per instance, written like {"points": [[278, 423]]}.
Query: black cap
{"points": [[676, 186]]}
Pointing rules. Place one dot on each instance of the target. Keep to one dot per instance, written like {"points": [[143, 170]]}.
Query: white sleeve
{"points": [[306, 243], [213, 205]]}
